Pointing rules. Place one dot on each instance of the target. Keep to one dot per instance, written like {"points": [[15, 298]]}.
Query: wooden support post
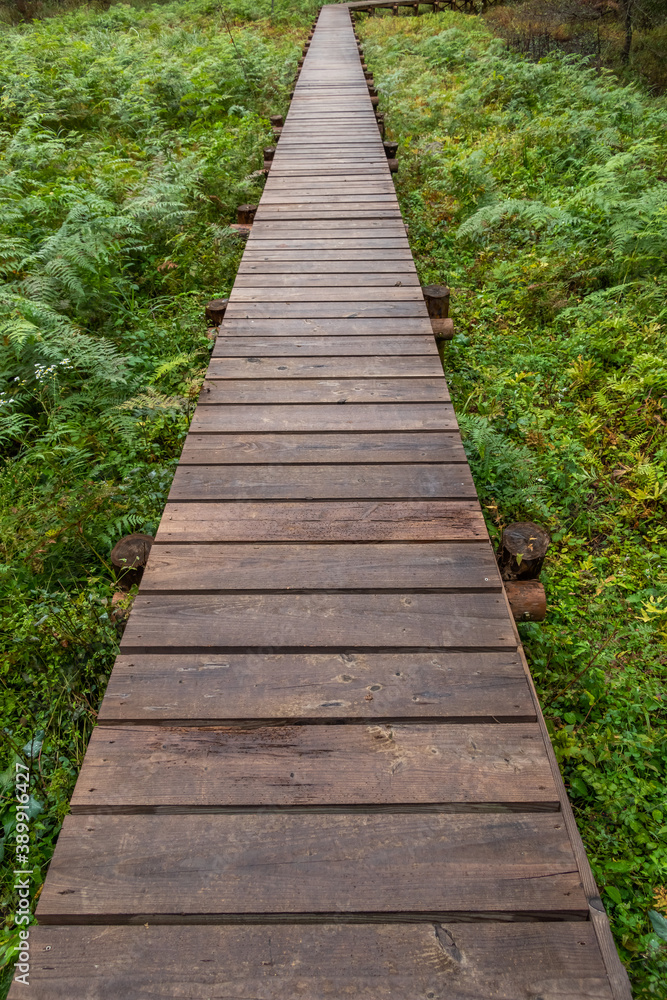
{"points": [[215, 311], [522, 550], [391, 149], [375, 100], [393, 166], [416, 9], [437, 303], [245, 214], [394, 10], [528, 600], [129, 556], [277, 121], [437, 300]]}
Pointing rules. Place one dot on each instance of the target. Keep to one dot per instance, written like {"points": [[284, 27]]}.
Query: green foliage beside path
{"points": [[538, 191], [127, 139]]}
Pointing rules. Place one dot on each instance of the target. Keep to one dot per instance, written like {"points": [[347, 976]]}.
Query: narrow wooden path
{"points": [[320, 769]]}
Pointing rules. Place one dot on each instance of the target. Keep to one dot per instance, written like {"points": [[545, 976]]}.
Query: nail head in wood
{"points": [[522, 550], [437, 300]]}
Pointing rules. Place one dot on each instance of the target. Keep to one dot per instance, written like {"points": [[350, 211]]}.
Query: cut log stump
{"points": [[437, 300], [215, 311], [522, 550], [129, 556]]}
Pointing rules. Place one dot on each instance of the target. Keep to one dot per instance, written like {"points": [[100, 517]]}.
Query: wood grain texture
{"points": [[147, 769], [315, 347], [332, 521], [371, 962], [384, 269], [454, 961], [281, 449], [203, 622], [352, 228], [215, 568], [105, 868], [322, 482], [446, 686], [369, 255], [328, 327], [331, 293], [278, 280], [324, 390], [324, 417], [355, 309], [336, 367]]}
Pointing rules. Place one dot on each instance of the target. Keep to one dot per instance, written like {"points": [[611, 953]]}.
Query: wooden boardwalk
{"points": [[321, 770]]}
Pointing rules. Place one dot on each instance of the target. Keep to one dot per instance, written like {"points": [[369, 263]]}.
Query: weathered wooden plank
{"points": [[260, 252], [303, 449], [343, 520], [266, 864], [304, 390], [147, 769], [325, 280], [303, 686], [315, 347], [320, 269], [284, 962], [320, 417], [322, 482], [314, 243], [382, 198], [339, 228], [169, 623], [334, 310], [316, 295], [282, 191], [336, 367], [215, 568], [286, 214], [328, 327]]}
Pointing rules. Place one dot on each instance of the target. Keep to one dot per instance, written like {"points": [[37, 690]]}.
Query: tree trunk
{"points": [[627, 6]]}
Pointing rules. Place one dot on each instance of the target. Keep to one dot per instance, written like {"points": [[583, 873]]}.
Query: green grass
{"points": [[539, 193], [127, 139]]}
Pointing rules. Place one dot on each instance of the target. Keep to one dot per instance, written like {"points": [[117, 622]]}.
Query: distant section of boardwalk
{"points": [[320, 769]]}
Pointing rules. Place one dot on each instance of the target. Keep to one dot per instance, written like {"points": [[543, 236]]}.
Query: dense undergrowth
{"points": [[539, 192], [127, 138]]}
